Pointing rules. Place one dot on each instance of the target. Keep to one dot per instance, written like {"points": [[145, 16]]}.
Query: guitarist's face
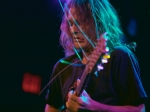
{"points": [[86, 24]]}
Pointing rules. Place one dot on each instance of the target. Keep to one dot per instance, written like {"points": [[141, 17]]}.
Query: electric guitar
{"points": [[99, 52]]}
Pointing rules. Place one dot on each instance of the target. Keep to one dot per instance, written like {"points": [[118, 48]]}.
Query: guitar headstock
{"points": [[100, 51]]}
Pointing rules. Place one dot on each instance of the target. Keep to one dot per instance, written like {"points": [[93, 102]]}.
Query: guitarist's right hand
{"points": [[75, 103]]}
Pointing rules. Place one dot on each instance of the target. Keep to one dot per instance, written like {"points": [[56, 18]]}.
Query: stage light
{"points": [[31, 83]]}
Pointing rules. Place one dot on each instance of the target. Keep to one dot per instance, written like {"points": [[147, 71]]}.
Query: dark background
{"points": [[29, 42]]}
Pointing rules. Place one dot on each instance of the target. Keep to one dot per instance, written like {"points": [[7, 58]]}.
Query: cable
{"points": [[57, 76]]}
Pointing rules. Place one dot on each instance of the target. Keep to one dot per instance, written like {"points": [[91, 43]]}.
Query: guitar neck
{"points": [[83, 81]]}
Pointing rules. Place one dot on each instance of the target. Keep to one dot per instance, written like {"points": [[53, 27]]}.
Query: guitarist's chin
{"points": [[85, 46], [82, 45]]}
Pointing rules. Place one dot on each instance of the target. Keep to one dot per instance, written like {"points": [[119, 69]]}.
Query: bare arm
{"points": [[49, 108]]}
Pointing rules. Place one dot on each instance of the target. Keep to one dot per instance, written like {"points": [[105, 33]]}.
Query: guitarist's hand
{"points": [[82, 103]]}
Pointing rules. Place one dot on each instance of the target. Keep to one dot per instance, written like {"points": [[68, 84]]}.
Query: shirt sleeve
{"points": [[54, 93], [130, 89]]}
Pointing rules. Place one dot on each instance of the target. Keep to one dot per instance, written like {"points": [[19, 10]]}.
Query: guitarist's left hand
{"points": [[82, 103]]}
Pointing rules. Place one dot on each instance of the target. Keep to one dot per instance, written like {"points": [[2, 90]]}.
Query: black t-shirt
{"points": [[119, 83]]}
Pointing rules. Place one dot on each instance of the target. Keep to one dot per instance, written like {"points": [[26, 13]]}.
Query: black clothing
{"points": [[118, 84]]}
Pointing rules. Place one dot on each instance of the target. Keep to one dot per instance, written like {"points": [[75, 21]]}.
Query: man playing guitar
{"points": [[91, 77]]}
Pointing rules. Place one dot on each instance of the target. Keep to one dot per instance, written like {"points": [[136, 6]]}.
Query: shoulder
{"points": [[121, 50]]}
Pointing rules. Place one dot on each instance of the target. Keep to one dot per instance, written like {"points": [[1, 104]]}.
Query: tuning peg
{"points": [[100, 67], [106, 56], [104, 60], [107, 49], [96, 73]]}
